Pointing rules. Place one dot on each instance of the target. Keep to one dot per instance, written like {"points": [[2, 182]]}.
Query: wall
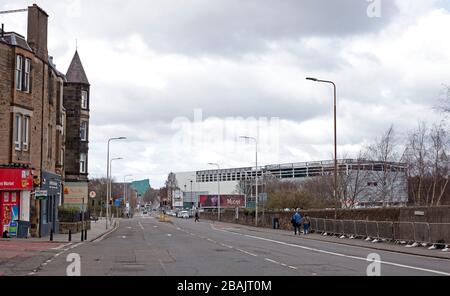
{"points": [[6, 84], [394, 223], [74, 145]]}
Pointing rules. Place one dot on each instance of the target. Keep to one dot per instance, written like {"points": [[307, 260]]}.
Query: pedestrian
{"points": [[197, 218], [295, 220], [6, 234], [306, 224]]}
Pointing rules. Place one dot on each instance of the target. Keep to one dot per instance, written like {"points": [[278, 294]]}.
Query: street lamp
{"points": [[191, 194], [110, 179], [256, 179], [107, 176], [218, 187], [125, 198], [335, 140]]}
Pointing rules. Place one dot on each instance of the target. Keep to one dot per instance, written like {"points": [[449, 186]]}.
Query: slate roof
{"points": [[15, 39], [76, 73]]}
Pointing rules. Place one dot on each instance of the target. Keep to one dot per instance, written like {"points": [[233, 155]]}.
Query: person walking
{"points": [[306, 224], [197, 218], [296, 218]]}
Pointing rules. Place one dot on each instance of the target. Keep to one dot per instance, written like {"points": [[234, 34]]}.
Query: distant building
{"points": [[232, 181], [77, 105], [141, 188]]}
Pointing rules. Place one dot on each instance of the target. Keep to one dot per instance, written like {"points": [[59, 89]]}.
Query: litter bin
{"points": [[276, 223], [22, 229]]}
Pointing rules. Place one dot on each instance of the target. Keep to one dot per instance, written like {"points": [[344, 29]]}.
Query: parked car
{"points": [[183, 214]]}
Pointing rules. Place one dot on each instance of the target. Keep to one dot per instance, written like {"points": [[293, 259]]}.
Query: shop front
{"points": [[49, 198], [15, 190]]}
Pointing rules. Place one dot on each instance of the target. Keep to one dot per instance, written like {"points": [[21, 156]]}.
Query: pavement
{"points": [[145, 246], [24, 257], [383, 246]]}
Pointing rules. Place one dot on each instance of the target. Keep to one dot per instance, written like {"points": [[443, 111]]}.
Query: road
{"points": [[145, 246]]}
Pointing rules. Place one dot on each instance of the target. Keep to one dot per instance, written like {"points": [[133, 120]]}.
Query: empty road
{"points": [[145, 246]]}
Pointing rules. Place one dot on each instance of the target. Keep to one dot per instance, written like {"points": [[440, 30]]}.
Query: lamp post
{"points": [[110, 181], [125, 198], [335, 140], [256, 178], [218, 188], [191, 194], [107, 176]]}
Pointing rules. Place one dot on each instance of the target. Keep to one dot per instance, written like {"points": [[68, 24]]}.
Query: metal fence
{"points": [[421, 232]]}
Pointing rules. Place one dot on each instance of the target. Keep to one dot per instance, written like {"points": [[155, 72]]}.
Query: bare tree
{"points": [[353, 182], [384, 155], [445, 102], [320, 190], [428, 162], [439, 162], [151, 195], [416, 156]]}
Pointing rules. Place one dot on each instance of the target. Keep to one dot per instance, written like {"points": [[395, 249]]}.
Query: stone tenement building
{"points": [[76, 102], [32, 131]]}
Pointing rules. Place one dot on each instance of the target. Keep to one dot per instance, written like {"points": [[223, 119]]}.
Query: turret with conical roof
{"points": [[77, 105], [76, 73]]}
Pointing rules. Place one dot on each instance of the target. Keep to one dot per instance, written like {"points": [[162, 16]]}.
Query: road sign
{"points": [[41, 194], [92, 194]]}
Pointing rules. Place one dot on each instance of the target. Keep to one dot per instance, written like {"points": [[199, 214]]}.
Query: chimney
{"points": [[37, 31]]}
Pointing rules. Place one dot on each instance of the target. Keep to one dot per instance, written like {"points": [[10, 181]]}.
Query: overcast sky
{"points": [[183, 79]]}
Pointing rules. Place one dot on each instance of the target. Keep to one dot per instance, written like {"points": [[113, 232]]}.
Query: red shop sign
{"points": [[16, 179]]}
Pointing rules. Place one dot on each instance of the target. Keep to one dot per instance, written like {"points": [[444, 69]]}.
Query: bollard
{"points": [[82, 235], [51, 234], [70, 235], [85, 234]]}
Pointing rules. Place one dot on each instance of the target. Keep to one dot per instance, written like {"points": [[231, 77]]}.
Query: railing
{"points": [[419, 232]]}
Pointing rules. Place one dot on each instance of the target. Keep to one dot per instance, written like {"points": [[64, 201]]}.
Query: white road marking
{"points": [[124, 237], [211, 240], [348, 256], [61, 246], [248, 253], [282, 264], [142, 227], [32, 273], [273, 261], [169, 235], [155, 226], [293, 267], [75, 246]]}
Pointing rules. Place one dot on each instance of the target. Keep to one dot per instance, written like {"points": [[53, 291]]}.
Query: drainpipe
{"points": [[42, 143]]}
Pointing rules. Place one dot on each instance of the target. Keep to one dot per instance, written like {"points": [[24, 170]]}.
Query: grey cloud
{"points": [[228, 27], [140, 105]]}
